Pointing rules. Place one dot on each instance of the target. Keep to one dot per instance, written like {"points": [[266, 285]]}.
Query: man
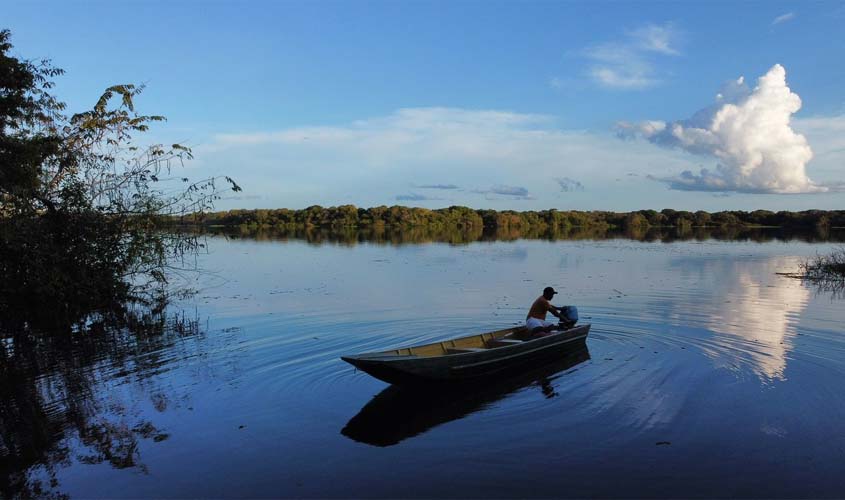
{"points": [[536, 319]]}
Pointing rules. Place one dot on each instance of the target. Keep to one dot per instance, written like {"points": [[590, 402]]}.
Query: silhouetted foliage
{"points": [[80, 202]]}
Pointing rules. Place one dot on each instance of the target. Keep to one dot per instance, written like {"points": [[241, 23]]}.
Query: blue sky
{"points": [[521, 105]]}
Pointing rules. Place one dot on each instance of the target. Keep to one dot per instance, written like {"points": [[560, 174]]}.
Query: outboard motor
{"points": [[569, 316]]}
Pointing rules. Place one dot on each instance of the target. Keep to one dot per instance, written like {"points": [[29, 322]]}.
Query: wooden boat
{"points": [[467, 358]]}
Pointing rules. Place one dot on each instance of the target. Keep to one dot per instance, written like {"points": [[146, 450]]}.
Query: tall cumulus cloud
{"points": [[748, 132]]}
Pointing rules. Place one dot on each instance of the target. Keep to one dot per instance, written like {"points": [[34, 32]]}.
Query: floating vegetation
{"points": [[825, 267], [825, 272]]}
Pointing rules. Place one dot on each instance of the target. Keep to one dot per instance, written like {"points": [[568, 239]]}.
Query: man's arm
{"points": [[556, 311]]}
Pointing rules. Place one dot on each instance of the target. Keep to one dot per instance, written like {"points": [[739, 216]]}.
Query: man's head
{"points": [[549, 292]]}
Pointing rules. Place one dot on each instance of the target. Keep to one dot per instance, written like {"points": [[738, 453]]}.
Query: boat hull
{"points": [[470, 366]]}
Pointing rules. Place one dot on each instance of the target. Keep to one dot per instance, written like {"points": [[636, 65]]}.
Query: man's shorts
{"points": [[532, 323]]}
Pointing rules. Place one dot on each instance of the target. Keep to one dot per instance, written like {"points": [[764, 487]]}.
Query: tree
{"points": [[702, 218], [727, 219], [81, 205], [636, 220]]}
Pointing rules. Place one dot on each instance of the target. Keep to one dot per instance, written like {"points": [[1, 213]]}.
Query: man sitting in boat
{"points": [[536, 319]]}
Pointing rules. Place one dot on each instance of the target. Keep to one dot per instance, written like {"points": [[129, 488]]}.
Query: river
{"points": [[706, 374]]}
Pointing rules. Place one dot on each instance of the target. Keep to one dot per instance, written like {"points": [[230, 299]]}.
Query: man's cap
{"points": [[550, 290]]}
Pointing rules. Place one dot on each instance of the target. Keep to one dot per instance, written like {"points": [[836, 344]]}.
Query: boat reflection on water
{"points": [[397, 413]]}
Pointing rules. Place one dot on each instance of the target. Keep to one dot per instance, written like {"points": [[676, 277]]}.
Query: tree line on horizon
{"points": [[350, 216]]}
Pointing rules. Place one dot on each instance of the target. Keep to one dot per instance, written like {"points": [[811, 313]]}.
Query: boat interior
{"points": [[473, 343]]}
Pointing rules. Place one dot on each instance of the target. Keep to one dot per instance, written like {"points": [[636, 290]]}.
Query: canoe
{"points": [[467, 358]]}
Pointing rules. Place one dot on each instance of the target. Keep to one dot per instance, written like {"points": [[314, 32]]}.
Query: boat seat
{"points": [[461, 350], [503, 342]]}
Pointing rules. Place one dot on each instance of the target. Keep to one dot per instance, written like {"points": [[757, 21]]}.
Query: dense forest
{"points": [[349, 216]]}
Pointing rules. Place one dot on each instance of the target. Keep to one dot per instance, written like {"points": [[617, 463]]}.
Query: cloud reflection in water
{"points": [[753, 318]]}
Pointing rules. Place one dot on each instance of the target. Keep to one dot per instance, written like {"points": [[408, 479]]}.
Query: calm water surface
{"points": [[706, 374]]}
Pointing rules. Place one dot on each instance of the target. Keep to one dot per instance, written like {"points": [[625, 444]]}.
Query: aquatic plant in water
{"points": [[826, 272]]}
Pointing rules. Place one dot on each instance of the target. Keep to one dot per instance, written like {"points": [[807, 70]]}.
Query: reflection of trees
{"points": [[834, 287], [384, 235], [50, 395]]}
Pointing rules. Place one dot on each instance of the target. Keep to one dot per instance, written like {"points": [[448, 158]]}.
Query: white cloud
{"points": [[748, 132], [783, 18], [662, 39], [620, 67], [369, 161], [388, 134], [631, 64]]}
